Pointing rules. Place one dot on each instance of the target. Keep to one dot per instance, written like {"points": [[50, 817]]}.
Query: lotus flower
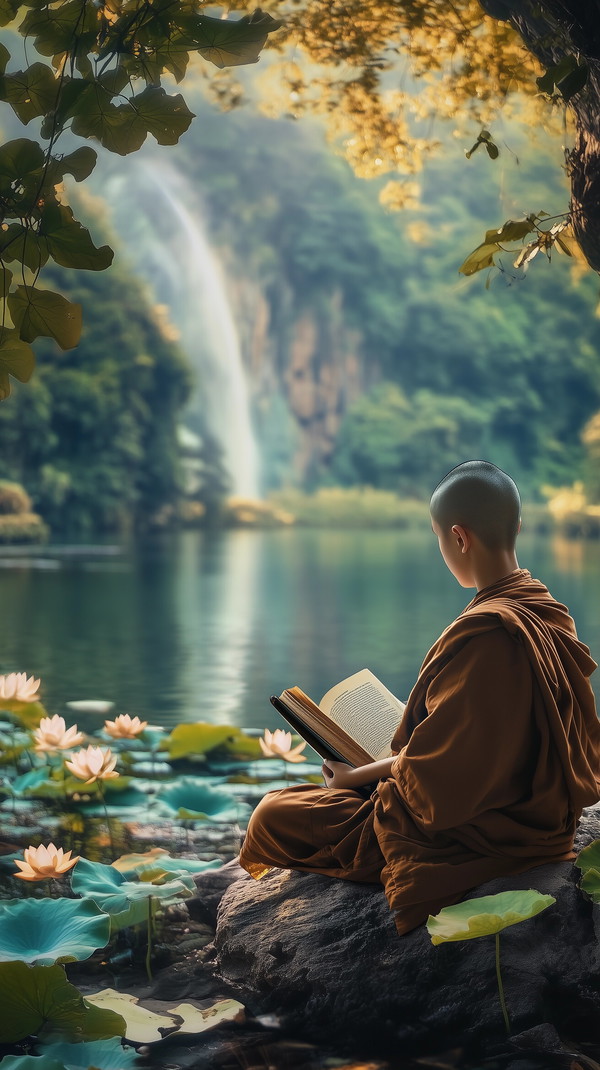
{"points": [[17, 686], [92, 763], [125, 727], [278, 744], [53, 735], [42, 862]]}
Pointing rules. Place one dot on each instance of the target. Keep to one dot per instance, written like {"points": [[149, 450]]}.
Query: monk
{"points": [[498, 750]]}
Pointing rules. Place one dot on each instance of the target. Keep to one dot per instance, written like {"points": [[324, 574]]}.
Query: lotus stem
{"points": [[108, 824], [501, 986], [149, 944]]}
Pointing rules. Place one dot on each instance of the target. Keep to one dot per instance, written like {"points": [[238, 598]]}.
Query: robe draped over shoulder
{"points": [[496, 756]]}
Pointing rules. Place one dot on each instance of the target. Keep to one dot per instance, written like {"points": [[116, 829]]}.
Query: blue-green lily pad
{"points": [[157, 859], [588, 861], [44, 931], [191, 799], [486, 915], [40, 997], [125, 900], [32, 1062], [101, 1054]]}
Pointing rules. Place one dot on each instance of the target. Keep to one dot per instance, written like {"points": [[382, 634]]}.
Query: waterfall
{"points": [[154, 205]]}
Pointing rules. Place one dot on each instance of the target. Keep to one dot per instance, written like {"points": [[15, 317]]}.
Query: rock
{"points": [[323, 956], [211, 885]]}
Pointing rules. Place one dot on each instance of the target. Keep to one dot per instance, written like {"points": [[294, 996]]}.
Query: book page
{"points": [[366, 710]]}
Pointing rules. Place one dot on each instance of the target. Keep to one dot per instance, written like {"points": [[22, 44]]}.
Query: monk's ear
{"points": [[463, 538]]}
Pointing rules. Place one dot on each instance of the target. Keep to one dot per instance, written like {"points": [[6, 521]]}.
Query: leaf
{"points": [[44, 931], [114, 81], [23, 245], [31, 92], [69, 243], [39, 997], [198, 1020], [119, 128], [512, 230], [156, 858], [38, 312], [79, 164], [16, 358], [31, 1062], [4, 53], [191, 739], [555, 73], [126, 901], [492, 150], [229, 42], [165, 117], [8, 10], [574, 82], [588, 861], [141, 1025], [481, 257], [100, 1054], [21, 168], [486, 915], [190, 798], [55, 29]]}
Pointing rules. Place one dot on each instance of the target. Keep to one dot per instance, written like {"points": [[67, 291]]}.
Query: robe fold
{"points": [[496, 756]]}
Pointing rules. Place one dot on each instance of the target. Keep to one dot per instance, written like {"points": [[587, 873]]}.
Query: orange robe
{"points": [[497, 753]]}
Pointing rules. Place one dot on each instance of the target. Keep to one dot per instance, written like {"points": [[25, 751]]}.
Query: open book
{"points": [[354, 722]]}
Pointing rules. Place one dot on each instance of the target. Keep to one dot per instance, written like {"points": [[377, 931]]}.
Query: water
{"points": [[205, 626], [171, 251]]}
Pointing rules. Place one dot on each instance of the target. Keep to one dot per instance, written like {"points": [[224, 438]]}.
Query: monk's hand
{"points": [[337, 774]]}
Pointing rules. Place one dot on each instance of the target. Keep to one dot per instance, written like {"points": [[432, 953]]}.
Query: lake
{"points": [[206, 625]]}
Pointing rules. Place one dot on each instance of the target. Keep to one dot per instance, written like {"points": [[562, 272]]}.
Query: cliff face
{"points": [[309, 359]]}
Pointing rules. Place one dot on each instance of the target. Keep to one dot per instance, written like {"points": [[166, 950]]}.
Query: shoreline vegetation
{"points": [[566, 512]]}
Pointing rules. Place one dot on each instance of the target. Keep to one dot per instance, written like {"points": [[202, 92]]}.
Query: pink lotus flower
{"points": [[53, 735], [92, 763], [125, 727], [278, 744], [43, 862], [18, 687]]}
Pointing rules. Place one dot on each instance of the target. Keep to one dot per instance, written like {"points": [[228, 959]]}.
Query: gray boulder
{"points": [[324, 957]]}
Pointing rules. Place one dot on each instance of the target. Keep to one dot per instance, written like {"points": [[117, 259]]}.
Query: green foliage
{"points": [[126, 901], [45, 931], [187, 740], [487, 915], [101, 1054], [40, 1000], [14, 499], [350, 507], [190, 798], [588, 861], [104, 83]]}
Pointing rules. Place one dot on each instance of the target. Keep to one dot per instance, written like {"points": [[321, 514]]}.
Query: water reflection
{"points": [[205, 626]]}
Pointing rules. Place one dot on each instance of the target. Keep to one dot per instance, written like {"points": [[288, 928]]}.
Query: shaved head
{"points": [[482, 498]]}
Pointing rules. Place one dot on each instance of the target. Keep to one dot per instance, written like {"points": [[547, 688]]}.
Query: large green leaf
{"points": [[23, 245], [100, 1054], [38, 312], [512, 230], [16, 358], [481, 257], [157, 859], [125, 900], [31, 92], [43, 931], [79, 164], [55, 29], [32, 1062], [41, 998], [588, 861], [165, 117], [118, 127], [188, 740], [69, 243], [8, 10], [486, 915], [230, 42], [192, 799]]}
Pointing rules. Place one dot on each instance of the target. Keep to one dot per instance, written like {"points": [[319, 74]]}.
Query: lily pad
{"points": [[189, 740], [588, 861], [159, 859], [44, 931], [126, 901], [486, 915], [101, 1054], [141, 1025], [191, 799], [32, 1062], [199, 1019], [40, 998]]}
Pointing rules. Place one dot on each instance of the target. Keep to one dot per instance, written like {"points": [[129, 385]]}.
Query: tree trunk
{"points": [[551, 30]]}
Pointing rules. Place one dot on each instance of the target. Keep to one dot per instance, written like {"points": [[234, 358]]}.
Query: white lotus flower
{"points": [[92, 764], [53, 735], [278, 744], [42, 862], [125, 727], [17, 686]]}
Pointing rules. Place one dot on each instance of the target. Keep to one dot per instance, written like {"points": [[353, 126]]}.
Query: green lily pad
{"points": [[588, 861], [486, 915], [40, 999], [43, 931], [159, 859], [126, 901], [101, 1054], [190, 740], [192, 799], [32, 1062]]}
